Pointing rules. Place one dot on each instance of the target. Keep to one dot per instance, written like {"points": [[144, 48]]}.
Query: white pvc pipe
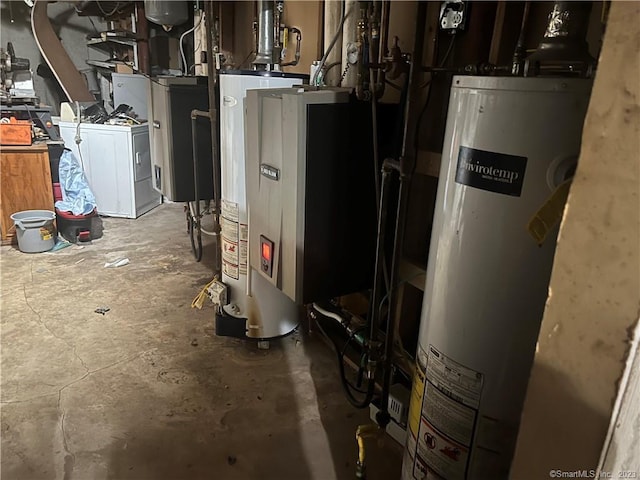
{"points": [[329, 314]]}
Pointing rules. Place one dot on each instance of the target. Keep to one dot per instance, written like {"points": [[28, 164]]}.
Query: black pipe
{"points": [[347, 387], [379, 260], [212, 85], [520, 51], [196, 180], [384, 30], [404, 166], [405, 179], [362, 65], [431, 69], [373, 39]]}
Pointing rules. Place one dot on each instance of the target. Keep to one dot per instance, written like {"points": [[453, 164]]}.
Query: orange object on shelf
{"points": [[15, 132]]}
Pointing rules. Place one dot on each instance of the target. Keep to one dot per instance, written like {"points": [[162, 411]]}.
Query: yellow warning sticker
{"points": [[550, 213], [417, 393]]}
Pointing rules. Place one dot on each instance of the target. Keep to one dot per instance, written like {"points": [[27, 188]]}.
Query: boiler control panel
{"points": [[266, 256], [311, 206]]}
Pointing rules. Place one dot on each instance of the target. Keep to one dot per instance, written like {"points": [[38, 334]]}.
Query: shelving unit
{"points": [[112, 44]]}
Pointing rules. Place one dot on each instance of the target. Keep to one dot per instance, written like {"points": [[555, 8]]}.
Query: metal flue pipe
{"points": [[264, 55]]}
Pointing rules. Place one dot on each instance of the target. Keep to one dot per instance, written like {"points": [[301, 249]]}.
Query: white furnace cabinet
{"points": [[117, 164]]}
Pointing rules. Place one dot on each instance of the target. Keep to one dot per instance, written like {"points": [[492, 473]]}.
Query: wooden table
{"points": [[25, 184]]}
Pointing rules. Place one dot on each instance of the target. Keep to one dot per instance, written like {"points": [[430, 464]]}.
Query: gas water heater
{"points": [[255, 307], [509, 143]]}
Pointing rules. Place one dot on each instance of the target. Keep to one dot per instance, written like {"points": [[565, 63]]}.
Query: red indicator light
{"points": [[266, 251]]}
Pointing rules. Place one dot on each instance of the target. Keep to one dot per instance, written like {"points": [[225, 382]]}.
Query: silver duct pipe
{"points": [[563, 48], [266, 29], [569, 20]]}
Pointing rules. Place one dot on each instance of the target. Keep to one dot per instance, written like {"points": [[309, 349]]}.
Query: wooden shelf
{"points": [[36, 147], [114, 44], [412, 274], [110, 43]]}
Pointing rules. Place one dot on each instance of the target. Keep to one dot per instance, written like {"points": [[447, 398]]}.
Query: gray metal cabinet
{"points": [[170, 103], [133, 90]]}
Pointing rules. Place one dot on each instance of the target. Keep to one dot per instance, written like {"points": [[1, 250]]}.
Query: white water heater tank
{"points": [[253, 300], [509, 143]]}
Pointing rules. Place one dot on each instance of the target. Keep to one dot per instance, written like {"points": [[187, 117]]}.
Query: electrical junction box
{"points": [[217, 292], [310, 191], [453, 16], [399, 398]]}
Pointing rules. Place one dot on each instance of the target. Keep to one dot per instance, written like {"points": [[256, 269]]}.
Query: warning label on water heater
{"points": [[448, 416], [229, 233], [455, 380], [491, 171]]}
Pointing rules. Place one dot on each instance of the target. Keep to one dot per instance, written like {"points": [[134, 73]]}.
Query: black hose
{"points": [[330, 66], [195, 219], [196, 240], [346, 385], [343, 16], [364, 358], [351, 337]]}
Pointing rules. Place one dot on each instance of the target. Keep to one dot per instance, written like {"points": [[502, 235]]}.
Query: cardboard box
{"points": [[123, 68]]}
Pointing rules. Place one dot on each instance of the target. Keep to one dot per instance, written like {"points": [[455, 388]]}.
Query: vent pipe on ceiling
{"points": [[564, 48]]}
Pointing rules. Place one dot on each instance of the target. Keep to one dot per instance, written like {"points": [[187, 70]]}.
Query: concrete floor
{"points": [[148, 391]]}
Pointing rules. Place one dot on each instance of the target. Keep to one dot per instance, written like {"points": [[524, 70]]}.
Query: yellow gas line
{"points": [[363, 431]]}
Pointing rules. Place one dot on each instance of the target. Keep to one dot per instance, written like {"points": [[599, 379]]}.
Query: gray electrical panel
{"points": [[310, 191]]}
